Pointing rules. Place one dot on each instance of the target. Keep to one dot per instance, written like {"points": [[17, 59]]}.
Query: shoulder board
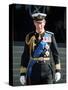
{"points": [[49, 32], [29, 35]]}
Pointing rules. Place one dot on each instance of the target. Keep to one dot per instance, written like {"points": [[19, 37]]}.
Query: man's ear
{"points": [[34, 22], [45, 22]]}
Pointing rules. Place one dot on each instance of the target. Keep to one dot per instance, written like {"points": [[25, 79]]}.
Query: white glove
{"points": [[23, 80], [57, 76]]}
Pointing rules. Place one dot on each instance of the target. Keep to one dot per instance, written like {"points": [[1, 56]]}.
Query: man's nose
{"points": [[39, 25]]}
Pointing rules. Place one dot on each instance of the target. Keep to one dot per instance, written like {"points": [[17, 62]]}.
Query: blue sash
{"points": [[39, 49], [30, 66]]}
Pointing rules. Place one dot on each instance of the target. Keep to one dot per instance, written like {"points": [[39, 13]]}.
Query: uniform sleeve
{"points": [[24, 60], [55, 54]]}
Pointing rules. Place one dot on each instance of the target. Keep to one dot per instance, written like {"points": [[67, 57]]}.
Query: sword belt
{"points": [[40, 58]]}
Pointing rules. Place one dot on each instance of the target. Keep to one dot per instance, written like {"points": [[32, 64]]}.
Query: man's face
{"points": [[39, 25]]}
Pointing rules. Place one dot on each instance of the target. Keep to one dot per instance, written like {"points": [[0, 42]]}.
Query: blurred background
{"points": [[22, 24]]}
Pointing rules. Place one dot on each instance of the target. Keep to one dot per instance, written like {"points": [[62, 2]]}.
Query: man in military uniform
{"points": [[35, 62]]}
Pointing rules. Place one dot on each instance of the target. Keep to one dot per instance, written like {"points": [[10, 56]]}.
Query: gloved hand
{"points": [[23, 80], [57, 76]]}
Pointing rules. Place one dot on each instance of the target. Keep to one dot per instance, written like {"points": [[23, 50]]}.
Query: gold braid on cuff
{"points": [[23, 69], [57, 66]]}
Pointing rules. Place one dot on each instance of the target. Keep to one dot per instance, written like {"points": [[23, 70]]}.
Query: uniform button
{"points": [[37, 61], [44, 61]]}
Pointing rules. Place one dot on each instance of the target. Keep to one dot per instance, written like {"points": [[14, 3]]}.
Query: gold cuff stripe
{"points": [[58, 66], [23, 70]]}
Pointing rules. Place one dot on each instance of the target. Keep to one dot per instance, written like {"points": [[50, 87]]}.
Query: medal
{"points": [[47, 53], [47, 46]]}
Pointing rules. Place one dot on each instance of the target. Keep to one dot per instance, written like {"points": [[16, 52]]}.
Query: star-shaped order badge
{"points": [[47, 53]]}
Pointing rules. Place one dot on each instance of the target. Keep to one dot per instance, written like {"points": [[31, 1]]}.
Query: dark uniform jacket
{"points": [[39, 45]]}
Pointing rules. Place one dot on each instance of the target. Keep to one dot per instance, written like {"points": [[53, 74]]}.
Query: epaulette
{"points": [[29, 35], [50, 32]]}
